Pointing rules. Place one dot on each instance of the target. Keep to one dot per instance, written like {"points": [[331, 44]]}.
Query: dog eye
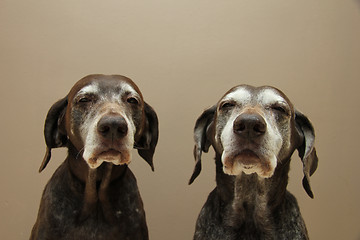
{"points": [[132, 100], [85, 100], [227, 105], [280, 109]]}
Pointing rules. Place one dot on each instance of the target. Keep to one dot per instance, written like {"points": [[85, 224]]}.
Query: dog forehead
{"points": [[246, 94], [269, 95], [242, 94], [104, 85], [92, 88]]}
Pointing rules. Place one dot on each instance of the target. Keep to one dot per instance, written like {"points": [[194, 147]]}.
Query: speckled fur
{"points": [[62, 202], [248, 208], [101, 201], [245, 204]]}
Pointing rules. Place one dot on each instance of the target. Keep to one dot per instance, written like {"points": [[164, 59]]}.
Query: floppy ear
{"points": [[307, 151], [202, 143], [149, 138], [54, 132]]}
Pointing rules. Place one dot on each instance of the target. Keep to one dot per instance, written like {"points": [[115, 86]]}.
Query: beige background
{"points": [[183, 55]]}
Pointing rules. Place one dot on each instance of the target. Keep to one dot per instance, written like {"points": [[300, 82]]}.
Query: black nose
{"points": [[249, 125], [112, 127]]}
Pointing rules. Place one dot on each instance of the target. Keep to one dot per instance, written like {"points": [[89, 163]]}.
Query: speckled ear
{"points": [[54, 129], [202, 142], [307, 151]]}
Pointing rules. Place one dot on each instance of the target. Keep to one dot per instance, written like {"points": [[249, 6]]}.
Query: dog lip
{"points": [[110, 151], [248, 166], [248, 158], [247, 153]]}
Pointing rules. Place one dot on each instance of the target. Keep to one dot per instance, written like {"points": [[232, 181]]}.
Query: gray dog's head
{"points": [[103, 117], [255, 129]]}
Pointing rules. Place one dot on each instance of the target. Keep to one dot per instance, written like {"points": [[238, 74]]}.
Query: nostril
{"points": [[240, 127], [260, 128], [122, 129], [103, 129]]}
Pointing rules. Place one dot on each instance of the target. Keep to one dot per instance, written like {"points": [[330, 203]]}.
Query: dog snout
{"points": [[249, 125], [112, 127]]}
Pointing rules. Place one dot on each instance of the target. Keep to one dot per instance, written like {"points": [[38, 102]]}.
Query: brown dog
{"points": [[93, 194], [254, 132]]}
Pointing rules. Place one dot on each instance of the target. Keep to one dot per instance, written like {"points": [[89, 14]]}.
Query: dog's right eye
{"points": [[226, 105], [84, 100]]}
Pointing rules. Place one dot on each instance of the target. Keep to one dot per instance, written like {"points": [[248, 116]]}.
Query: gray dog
{"points": [[93, 194], [254, 132]]}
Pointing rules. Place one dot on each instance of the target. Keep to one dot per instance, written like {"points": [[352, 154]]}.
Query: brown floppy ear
{"points": [[149, 138], [54, 132], [202, 143], [307, 151]]}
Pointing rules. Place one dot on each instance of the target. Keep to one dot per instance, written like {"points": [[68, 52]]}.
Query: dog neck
{"points": [[250, 197], [96, 182]]}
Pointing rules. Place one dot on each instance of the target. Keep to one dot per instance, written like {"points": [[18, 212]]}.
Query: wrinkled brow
{"points": [[240, 95], [269, 96], [92, 88]]}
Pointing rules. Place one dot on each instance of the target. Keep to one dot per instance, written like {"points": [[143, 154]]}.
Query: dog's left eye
{"points": [[132, 100]]}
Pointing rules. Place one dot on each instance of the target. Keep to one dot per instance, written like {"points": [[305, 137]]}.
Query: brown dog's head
{"points": [[103, 117], [255, 129]]}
